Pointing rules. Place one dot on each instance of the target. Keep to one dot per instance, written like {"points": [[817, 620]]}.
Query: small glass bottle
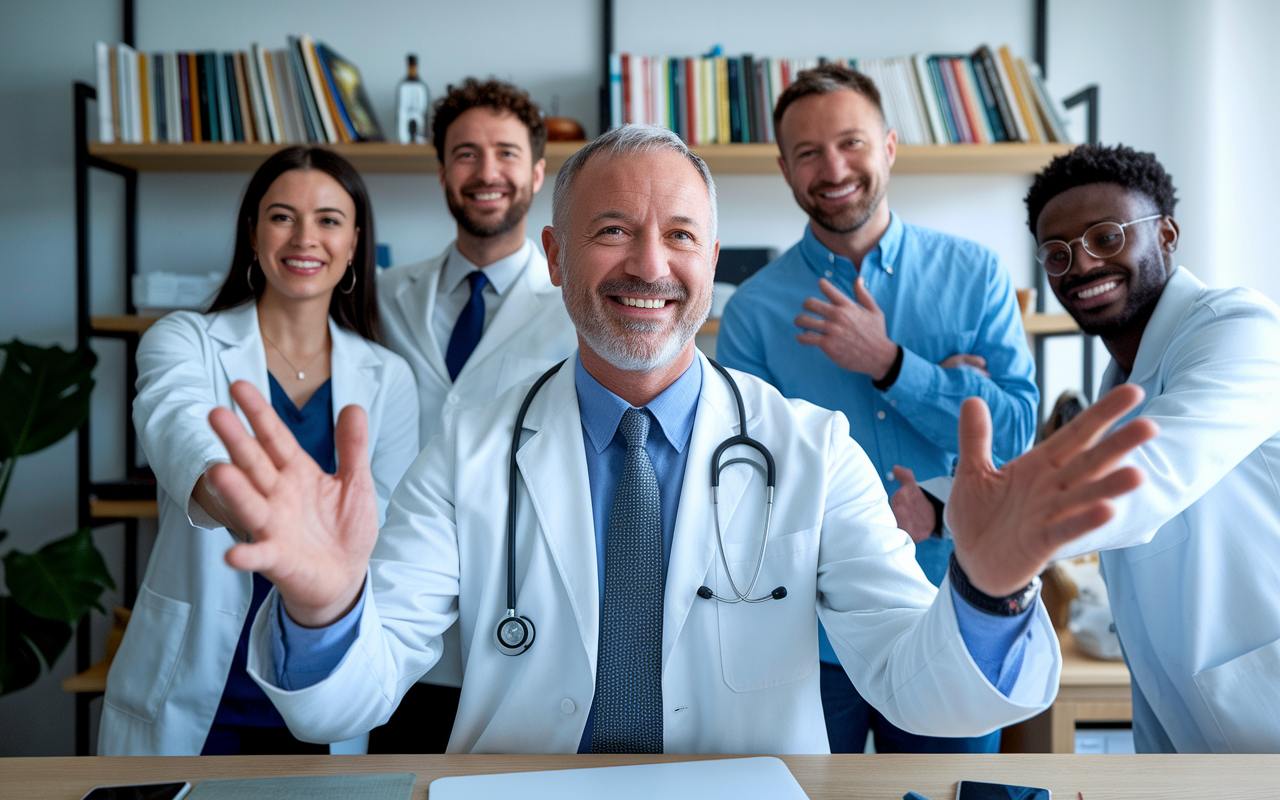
{"points": [[413, 102]]}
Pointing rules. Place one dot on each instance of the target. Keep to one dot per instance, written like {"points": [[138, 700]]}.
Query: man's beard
{"points": [[519, 208], [1146, 284], [621, 342], [848, 219]]}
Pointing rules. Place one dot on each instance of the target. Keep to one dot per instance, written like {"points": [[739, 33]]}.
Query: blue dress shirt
{"points": [[941, 295], [304, 656]]}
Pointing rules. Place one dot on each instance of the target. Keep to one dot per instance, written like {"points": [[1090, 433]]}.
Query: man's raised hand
{"points": [[310, 533], [1008, 523]]}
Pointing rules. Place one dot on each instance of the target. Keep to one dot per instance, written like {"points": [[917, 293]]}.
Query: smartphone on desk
{"points": [[175, 790], [976, 790]]}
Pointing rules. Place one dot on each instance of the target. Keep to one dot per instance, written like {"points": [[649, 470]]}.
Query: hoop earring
{"points": [[353, 281], [248, 275]]}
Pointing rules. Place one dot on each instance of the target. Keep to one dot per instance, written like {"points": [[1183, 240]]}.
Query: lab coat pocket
{"points": [[1243, 696], [775, 642], [148, 656]]}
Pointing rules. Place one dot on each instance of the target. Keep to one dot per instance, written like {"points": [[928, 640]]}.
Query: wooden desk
{"points": [[880, 777], [1091, 690]]}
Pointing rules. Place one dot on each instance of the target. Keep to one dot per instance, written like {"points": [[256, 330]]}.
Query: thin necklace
{"points": [[301, 375]]}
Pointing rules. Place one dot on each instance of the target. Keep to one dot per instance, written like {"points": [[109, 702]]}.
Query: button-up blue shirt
{"points": [[941, 295]]}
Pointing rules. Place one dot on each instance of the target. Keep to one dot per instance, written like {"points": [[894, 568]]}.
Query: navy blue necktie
{"points": [[628, 701], [467, 330]]}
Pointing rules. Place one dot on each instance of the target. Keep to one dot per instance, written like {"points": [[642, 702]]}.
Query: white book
{"points": [[131, 91], [172, 97], [106, 122], [263, 99], [290, 100], [638, 112], [920, 117], [318, 89], [124, 98], [924, 80], [775, 86], [661, 110]]}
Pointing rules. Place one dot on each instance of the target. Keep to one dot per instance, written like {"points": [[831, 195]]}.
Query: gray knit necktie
{"points": [[628, 702]]}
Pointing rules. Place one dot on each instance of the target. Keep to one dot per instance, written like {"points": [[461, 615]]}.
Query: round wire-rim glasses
{"points": [[1102, 240]]}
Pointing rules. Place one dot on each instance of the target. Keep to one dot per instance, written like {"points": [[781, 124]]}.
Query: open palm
{"points": [[1008, 522], [310, 533]]}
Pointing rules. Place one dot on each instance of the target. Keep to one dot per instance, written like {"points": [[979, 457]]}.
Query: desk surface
{"points": [[847, 777]]}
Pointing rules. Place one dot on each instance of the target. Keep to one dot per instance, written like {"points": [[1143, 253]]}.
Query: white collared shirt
{"points": [[455, 290]]}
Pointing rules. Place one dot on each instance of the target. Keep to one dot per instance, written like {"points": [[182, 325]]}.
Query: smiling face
{"points": [[306, 234], [488, 173], [1107, 296], [636, 260], [836, 156]]}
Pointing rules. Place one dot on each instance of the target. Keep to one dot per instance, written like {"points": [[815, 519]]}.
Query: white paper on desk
{"points": [[721, 779]]}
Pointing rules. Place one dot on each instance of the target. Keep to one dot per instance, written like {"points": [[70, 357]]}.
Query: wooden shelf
{"points": [[123, 509], [723, 159], [1041, 324], [121, 323]]}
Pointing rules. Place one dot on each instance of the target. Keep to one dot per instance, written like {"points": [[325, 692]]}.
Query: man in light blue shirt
{"points": [[933, 320], [633, 652]]}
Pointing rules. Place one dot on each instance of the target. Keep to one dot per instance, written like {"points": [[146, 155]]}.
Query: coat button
{"points": [[879, 415], [888, 476], [453, 399], [567, 706]]}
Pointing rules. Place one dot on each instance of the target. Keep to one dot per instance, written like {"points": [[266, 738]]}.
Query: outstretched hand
{"points": [[310, 533], [1008, 522]]}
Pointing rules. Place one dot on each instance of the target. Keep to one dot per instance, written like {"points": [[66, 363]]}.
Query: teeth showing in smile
{"points": [[487, 195], [638, 302], [302, 263], [1097, 290], [838, 193]]}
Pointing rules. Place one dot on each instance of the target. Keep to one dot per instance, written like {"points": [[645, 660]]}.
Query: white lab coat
{"points": [[530, 333], [736, 678], [1192, 558], [167, 679]]}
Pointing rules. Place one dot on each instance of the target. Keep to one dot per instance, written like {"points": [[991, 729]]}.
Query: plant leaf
{"points": [[62, 581], [19, 665], [44, 395]]}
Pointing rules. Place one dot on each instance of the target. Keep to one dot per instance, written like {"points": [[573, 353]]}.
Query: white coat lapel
{"points": [[355, 369], [523, 301], [417, 301], [553, 466], [693, 544], [243, 358]]}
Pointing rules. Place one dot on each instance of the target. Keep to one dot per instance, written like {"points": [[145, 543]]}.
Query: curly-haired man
{"points": [[1192, 559], [480, 317]]}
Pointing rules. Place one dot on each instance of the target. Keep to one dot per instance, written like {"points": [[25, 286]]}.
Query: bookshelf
{"points": [[723, 159]]}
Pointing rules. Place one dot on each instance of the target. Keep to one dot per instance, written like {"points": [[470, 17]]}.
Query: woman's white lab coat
{"points": [[167, 679]]}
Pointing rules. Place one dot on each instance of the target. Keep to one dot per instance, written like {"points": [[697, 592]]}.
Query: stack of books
{"points": [[980, 98], [305, 92]]}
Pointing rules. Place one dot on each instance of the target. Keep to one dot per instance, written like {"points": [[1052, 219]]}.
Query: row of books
{"points": [[304, 92], [980, 98]]}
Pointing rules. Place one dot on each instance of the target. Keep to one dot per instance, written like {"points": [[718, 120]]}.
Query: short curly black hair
{"points": [[495, 94], [1096, 163]]}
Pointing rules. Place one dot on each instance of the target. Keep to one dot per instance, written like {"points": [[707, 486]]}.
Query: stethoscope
{"points": [[515, 633]]}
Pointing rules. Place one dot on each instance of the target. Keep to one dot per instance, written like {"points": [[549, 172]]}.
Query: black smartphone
{"points": [[141, 791], [975, 790]]}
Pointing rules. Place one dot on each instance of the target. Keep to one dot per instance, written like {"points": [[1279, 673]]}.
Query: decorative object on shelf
{"points": [[982, 98], [413, 104], [169, 290], [562, 129], [304, 92], [44, 396]]}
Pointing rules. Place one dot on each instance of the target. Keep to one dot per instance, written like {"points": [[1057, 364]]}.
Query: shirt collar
{"points": [[673, 410], [501, 273], [883, 256]]}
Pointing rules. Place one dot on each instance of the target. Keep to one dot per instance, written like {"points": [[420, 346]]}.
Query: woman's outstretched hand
{"points": [[310, 533], [1009, 522]]}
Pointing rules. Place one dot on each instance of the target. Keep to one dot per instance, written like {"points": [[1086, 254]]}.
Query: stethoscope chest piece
{"points": [[514, 634]]}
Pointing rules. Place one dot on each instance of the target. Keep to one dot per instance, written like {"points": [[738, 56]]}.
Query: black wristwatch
{"points": [[1008, 606]]}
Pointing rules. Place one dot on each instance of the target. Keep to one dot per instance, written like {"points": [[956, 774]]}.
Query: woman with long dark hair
{"points": [[297, 318]]}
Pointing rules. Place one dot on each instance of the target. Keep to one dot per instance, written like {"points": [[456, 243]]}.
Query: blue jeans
{"points": [[849, 717]]}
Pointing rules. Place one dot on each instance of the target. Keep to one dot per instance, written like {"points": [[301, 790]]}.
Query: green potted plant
{"points": [[44, 396]]}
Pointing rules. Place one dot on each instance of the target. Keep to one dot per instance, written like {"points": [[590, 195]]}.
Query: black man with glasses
{"points": [[1192, 559]]}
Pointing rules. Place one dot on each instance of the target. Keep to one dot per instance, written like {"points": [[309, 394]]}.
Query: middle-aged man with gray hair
{"points": [[616, 592]]}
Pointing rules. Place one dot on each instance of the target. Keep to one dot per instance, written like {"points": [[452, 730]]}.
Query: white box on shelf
{"points": [[165, 290]]}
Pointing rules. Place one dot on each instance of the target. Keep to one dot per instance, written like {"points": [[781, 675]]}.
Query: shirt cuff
{"points": [[305, 656], [997, 644]]}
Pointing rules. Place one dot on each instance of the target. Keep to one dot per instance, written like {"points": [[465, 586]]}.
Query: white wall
{"points": [[1188, 79]]}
